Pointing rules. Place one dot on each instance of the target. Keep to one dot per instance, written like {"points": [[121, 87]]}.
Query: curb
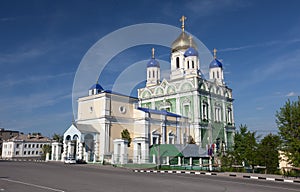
{"points": [[215, 174], [176, 172]]}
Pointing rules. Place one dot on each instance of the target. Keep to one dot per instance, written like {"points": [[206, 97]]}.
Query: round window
{"points": [[122, 109]]}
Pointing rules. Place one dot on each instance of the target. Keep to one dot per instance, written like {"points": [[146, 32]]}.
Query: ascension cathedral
{"points": [[187, 113]]}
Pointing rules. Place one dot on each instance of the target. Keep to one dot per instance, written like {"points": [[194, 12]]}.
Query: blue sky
{"points": [[43, 42]]}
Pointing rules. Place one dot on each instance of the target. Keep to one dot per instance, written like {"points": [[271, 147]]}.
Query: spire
{"points": [[182, 19], [153, 50], [215, 53]]}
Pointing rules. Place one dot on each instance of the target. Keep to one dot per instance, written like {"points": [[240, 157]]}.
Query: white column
{"points": [[200, 162], [53, 153], [86, 156], [191, 161], [210, 164], [47, 157], [154, 159], [69, 152], [168, 160], [80, 150], [96, 148], [179, 161], [65, 151]]}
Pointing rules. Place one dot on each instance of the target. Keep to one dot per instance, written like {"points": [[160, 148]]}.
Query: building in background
{"points": [[6, 134], [24, 146]]}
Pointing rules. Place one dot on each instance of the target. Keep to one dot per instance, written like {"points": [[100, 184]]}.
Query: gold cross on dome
{"points": [[215, 53], [182, 19], [153, 53]]}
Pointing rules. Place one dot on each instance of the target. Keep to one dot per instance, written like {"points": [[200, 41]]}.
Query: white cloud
{"points": [[10, 82], [271, 69], [34, 101], [265, 44], [259, 108], [291, 94]]}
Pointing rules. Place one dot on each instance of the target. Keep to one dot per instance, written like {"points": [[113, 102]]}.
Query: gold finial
{"points": [[190, 38], [182, 19], [215, 53], [153, 53]]}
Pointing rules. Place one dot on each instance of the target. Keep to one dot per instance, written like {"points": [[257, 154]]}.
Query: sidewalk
{"points": [[268, 177]]}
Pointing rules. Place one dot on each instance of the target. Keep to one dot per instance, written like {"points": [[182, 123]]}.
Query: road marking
{"points": [[33, 185]]}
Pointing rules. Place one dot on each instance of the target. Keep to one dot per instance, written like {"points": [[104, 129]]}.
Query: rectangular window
{"points": [[17, 146], [29, 145], [25, 152], [32, 152], [25, 146], [186, 110], [139, 149], [36, 152], [154, 140], [17, 152], [33, 145]]}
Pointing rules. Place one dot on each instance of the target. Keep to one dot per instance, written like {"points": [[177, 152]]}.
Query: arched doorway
{"points": [[89, 147], [75, 146]]}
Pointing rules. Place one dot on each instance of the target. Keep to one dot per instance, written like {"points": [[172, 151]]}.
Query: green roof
{"points": [[165, 150]]}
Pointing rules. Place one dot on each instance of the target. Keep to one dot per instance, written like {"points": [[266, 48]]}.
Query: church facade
{"points": [[208, 104], [186, 108]]}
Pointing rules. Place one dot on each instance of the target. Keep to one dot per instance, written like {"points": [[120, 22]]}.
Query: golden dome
{"points": [[183, 42]]}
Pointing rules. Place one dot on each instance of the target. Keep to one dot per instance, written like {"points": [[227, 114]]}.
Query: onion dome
{"points": [[153, 62], [97, 86], [215, 63], [183, 42], [191, 52]]}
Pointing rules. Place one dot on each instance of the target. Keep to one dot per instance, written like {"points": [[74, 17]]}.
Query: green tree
{"points": [[288, 122], [191, 140], [46, 149], [267, 153], [57, 137], [126, 135], [245, 145]]}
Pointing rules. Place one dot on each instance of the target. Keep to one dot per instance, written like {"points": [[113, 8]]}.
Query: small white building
{"points": [[24, 146]]}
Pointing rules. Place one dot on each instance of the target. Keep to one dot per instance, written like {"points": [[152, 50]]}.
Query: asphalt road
{"points": [[49, 177]]}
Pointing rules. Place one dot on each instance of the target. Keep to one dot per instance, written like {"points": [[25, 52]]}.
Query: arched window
{"points": [[218, 74], [229, 115], [204, 111], [213, 75], [217, 114], [149, 74], [188, 64], [193, 64], [153, 74], [177, 62]]}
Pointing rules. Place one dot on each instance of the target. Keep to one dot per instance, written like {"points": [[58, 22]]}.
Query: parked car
{"points": [[70, 161], [80, 161]]}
